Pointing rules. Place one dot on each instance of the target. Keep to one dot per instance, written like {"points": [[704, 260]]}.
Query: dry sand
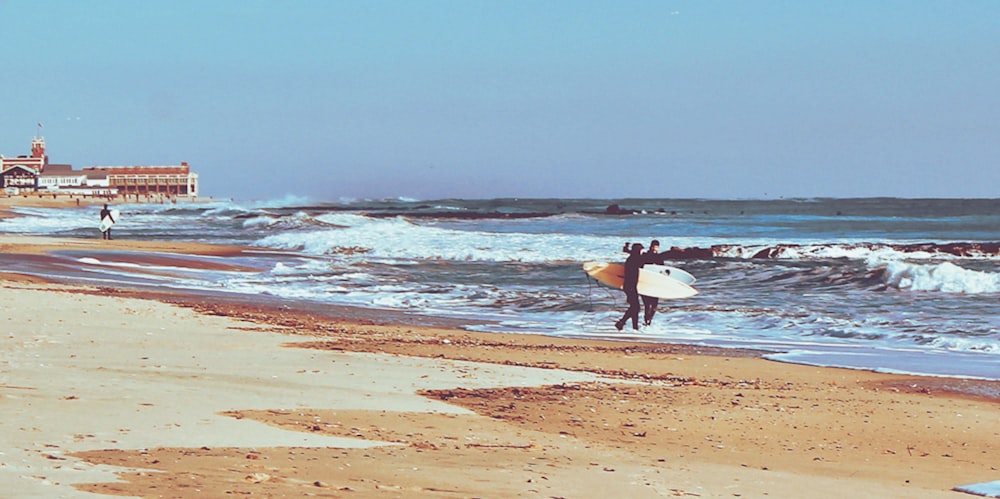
{"points": [[125, 395]]}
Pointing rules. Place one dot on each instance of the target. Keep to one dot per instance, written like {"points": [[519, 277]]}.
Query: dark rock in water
{"points": [[767, 253], [957, 249], [676, 253], [457, 215], [960, 249], [618, 210]]}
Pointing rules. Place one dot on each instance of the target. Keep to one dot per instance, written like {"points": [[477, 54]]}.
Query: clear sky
{"points": [[338, 99]]}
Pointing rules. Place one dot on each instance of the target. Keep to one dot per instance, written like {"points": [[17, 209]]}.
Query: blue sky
{"points": [[481, 99]]}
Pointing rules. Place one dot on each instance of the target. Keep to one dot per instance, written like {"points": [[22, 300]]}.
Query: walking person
{"points": [[649, 303], [634, 262], [106, 233]]}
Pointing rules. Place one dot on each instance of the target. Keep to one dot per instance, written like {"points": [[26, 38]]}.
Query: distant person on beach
{"points": [[636, 259], [106, 234]]}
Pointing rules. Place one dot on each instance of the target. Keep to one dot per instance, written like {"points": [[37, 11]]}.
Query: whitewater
{"points": [[895, 285]]}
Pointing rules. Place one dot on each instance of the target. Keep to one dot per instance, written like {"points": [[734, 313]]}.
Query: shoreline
{"points": [[38, 200], [280, 401], [448, 339], [139, 254]]}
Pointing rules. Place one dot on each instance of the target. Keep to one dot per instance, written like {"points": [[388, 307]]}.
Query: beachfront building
{"points": [[163, 181], [36, 161], [17, 178], [61, 177], [21, 173], [34, 173]]}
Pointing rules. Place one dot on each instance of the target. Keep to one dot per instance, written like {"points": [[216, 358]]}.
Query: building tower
{"points": [[38, 151]]}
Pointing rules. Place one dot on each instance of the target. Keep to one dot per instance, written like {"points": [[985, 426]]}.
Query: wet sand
{"points": [[89, 203], [132, 393]]}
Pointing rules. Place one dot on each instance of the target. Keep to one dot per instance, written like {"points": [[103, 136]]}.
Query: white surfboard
{"points": [[650, 283], [107, 222], [671, 272]]}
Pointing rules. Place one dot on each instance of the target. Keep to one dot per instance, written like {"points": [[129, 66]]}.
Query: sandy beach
{"points": [[126, 393]]}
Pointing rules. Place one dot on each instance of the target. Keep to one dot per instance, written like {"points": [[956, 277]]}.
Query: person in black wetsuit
{"points": [[636, 259], [106, 213], [649, 303]]}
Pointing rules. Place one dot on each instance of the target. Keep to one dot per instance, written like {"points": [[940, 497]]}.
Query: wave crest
{"points": [[945, 277], [858, 251]]}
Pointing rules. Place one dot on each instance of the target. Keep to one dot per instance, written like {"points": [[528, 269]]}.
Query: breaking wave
{"points": [[945, 277]]}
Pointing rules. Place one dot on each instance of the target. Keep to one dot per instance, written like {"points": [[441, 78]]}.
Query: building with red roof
{"points": [[35, 173]]}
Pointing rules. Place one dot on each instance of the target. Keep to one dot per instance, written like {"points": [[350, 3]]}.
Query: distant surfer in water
{"points": [[106, 233], [636, 259], [649, 303]]}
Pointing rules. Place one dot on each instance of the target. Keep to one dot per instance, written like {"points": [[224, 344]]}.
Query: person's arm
{"points": [[660, 258]]}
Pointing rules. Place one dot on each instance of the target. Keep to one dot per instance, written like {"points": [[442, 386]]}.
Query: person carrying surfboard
{"points": [[649, 303], [636, 259], [106, 233]]}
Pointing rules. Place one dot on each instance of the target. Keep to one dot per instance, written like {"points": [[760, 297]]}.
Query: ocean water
{"points": [[897, 285]]}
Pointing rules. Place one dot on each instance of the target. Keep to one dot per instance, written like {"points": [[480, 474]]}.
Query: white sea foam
{"points": [[258, 222], [227, 210], [95, 261], [946, 277], [47, 221], [399, 238], [957, 343], [279, 202]]}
